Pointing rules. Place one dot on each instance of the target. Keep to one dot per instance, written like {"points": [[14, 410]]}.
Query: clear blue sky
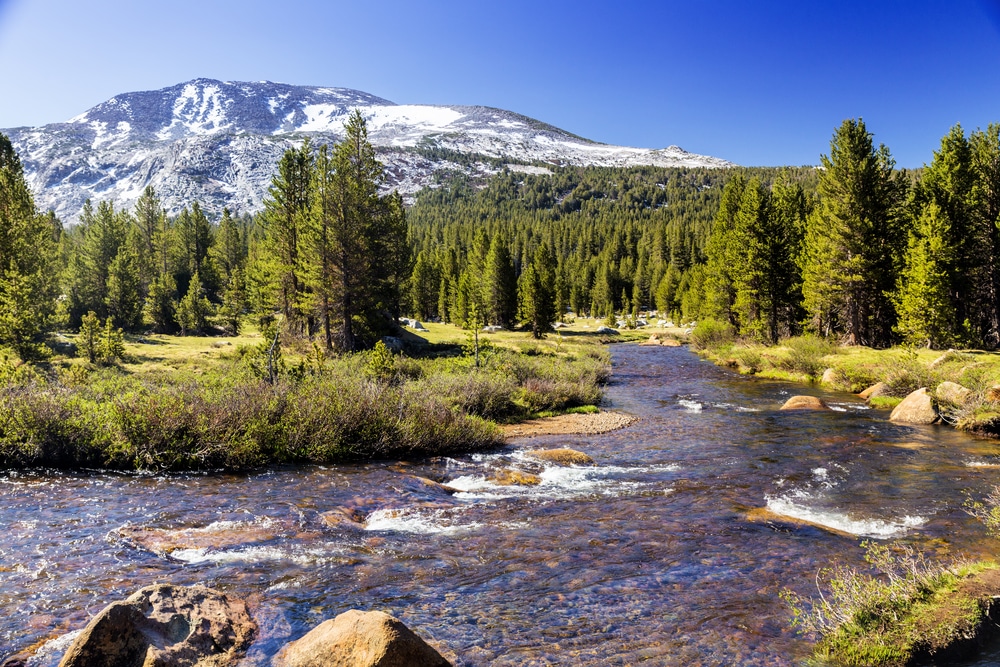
{"points": [[759, 83]]}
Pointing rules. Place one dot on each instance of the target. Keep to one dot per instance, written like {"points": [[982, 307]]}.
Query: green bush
{"points": [[711, 334], [805, 355]]}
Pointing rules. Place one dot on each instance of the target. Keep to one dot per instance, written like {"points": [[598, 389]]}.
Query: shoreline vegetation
{"points": [[905, 608], [196, 403]]}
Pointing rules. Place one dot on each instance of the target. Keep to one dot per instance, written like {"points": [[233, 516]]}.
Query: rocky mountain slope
{"points": [[219, 142]]}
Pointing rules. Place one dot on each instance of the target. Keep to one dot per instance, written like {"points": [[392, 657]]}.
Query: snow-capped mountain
{"points": [[219, 143]]}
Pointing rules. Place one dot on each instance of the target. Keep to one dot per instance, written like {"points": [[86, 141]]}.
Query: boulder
{"points": [[507, 477], [917, 408], [952, 392], [877, 389], [394, 343], [653, 340], [417, 326], [436, 486], [360, 639], [604, 329], [830, 376], [563, 456], [804, 403], [993, 394], [165, 626], [670, 342]]}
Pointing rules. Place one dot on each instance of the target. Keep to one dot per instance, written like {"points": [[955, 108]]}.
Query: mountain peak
{"points": [[218, 142]]}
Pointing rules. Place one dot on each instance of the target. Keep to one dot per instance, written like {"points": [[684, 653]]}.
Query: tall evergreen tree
{"points": [[27, 260], [855, 240], [500, 285], [923, 300]]}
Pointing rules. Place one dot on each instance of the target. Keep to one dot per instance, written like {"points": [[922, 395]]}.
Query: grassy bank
{"points": [[904, 611], [178, 403], [854, 369]]}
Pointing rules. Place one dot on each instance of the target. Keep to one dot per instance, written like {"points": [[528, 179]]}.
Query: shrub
{"points": [[709, 334], [805, 354]]}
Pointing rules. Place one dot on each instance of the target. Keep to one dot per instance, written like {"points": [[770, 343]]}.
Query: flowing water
{"points": [[653, 555]]}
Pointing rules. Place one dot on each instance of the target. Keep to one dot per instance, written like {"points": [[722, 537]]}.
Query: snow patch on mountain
{"points": [[218, 142]]}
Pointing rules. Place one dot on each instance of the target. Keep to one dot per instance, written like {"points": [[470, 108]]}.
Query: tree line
{"points": [[875, 256], [855, 249], [328, 257]]}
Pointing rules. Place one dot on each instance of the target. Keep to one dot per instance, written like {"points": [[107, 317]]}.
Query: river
{"points": [[649, 556]]}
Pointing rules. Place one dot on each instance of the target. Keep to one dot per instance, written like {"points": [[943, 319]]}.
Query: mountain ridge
{"points": [[218, 142]]}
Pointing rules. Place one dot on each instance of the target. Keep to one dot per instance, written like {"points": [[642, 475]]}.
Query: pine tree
{"points": [[90, 336], [161, 304], [194, 308], [27, 260], [537, 292], [124, 289], [855, 240], [923, 300], [500, 285]]}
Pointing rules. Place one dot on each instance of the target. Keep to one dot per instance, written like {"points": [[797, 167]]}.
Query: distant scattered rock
{"points": [[221, 343], [393, 343], [508, 477], [360, 639], [917, 408], [563, 456], [874, 391], [604, 329], [418, 326], [952, 392], [165, 626], [804, 403]]}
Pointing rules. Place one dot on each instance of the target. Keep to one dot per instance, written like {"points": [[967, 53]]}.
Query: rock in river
{"points": [[917, 408], [165, 626], [563, 456], [360, 639], [804, 403]]}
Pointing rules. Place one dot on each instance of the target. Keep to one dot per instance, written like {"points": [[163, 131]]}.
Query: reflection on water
{"points": [[671, 550]]}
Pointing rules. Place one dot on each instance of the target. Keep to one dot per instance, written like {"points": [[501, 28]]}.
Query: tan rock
{"points": [[670, 342], [165, 626], [360, 639], [343, 517], [563, 456], [993, 394], [804, 403], [877, 389], [507, 477], [943, 359], [952, 392], [653, 340], [218, 535], [830, 376], [917, 408], [436, 486]]}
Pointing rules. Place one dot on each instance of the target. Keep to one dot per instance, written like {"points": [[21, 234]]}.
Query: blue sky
{"points": [[758, 83]]}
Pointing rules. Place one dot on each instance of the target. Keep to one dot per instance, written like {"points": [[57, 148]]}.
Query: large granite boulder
{"points": [[804, 403], [917, 408], [165, 626], [954, 393], [360, 639]]}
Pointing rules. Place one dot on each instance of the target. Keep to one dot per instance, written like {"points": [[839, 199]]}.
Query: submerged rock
{"points": [[563, 456], [877, 389], [917, 408], [218, 535], [952, 392], [360, 639], [166, 626], [804, 403], [436, 486], [343, 517]]}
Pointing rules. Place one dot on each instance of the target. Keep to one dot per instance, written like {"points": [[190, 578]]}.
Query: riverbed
{"points": [[655, 554]]}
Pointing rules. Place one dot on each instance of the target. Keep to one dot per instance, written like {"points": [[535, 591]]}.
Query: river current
{"points": [[653, 556]]}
